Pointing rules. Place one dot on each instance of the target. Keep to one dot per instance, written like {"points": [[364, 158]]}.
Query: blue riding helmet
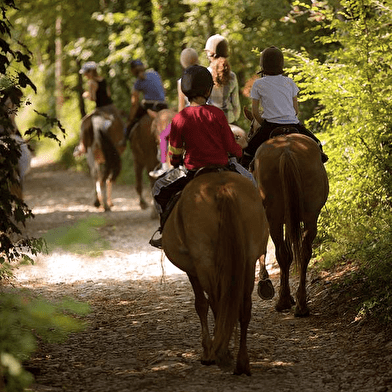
{"points": [[136, 63]]}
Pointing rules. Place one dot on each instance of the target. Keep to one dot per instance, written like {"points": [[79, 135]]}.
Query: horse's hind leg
{"points": [[242, 366], [201, 306], [265, 288], [139, 185], [301, 309], [109, 186], [101, 194], [284, 257]]}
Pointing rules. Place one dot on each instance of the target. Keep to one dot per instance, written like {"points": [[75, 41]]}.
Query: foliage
{"points": [[14, 58], [114, 32], [24, 320], [338, 52], [353, 91]]}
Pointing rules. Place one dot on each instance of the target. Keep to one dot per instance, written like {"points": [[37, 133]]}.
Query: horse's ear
{"points": [[151, 113], [248, 114]]}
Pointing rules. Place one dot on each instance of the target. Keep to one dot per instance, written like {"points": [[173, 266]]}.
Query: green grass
{"points": [[82, 237]]}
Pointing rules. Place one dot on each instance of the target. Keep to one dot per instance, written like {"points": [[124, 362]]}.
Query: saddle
{"points": [[191, 174], [284, 130], [210, 169]]}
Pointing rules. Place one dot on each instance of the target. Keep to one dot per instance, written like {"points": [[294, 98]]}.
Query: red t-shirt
{"points": [[205, 135]]}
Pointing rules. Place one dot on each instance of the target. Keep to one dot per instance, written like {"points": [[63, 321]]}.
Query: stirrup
{"points": [[157, 243]]}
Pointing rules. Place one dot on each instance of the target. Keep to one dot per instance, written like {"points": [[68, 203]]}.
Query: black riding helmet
{"points": [[196, 81], [271, 61]]}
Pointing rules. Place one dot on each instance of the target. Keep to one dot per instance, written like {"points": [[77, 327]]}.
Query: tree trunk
{"points": [[79, 89], [58, 67]]}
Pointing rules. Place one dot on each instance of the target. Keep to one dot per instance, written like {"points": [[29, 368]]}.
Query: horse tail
{"points": [[112, 156], [290, 177], [230, 272]]}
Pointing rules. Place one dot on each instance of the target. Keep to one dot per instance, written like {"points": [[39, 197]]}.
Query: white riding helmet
{"points": [[188, 57], [87, 67], [217, 46]]}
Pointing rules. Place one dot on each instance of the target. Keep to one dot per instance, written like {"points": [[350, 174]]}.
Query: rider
{"points": [[98, 92], [277, 95], [225, 92], [200, 136], [148, 83], [188, 57]]}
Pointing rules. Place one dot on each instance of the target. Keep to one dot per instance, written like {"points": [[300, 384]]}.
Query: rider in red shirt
{"points": [[200, 136], [203, 133]]}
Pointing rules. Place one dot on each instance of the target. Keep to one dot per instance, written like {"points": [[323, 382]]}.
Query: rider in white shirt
{"points": [[277, 94]]}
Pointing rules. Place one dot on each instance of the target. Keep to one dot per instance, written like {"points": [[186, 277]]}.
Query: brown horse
{"points": [[144, 146], [215, 233], [294, 187], [101, 132]]}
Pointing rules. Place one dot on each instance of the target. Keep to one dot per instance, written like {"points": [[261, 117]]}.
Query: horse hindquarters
{"points": [[104, 161], [215, 234]]}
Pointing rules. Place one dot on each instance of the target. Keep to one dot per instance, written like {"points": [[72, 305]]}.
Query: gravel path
{"points": [[143, 333]]}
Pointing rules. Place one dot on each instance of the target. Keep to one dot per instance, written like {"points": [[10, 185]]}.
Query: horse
{"points": [[144, 146], [101, 134], [294, 187], [215, 234]]}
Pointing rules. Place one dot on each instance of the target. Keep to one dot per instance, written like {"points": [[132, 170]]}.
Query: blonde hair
{"points": [[189, 57]]}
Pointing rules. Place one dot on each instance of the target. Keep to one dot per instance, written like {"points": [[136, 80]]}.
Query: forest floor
{"points": [[143, 333]]}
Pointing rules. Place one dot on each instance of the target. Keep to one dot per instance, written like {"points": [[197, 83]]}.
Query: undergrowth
{"points": [[369, 247]]}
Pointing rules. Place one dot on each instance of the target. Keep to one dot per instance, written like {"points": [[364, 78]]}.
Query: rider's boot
{"points": [[157, 243], [164, 167], [246, 160]]}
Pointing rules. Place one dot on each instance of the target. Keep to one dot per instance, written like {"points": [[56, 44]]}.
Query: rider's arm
{"points": [[134, 104], [176, 145], [255, 110], [181, 98], [235, 101], [175, 155], [295, 104]]}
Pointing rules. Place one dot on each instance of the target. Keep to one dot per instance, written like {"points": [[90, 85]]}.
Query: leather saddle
{"points": [[284, 130]]}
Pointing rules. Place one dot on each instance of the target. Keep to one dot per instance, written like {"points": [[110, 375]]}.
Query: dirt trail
{"points": [[143, 333]]}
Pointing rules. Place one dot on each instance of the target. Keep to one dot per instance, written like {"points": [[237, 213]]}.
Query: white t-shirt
{"points": [[276, 93]]}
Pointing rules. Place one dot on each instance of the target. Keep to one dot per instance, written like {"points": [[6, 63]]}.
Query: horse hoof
{"points": [[143, 205], [208, 362], [265, 289], [239, 371], [281, 306], [301, 313]]}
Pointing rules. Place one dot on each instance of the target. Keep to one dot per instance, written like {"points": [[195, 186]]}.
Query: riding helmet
{"points": [[136, 63], [217, 46], [196, 81], [188, 57], [87, 67], [271, 61]]}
